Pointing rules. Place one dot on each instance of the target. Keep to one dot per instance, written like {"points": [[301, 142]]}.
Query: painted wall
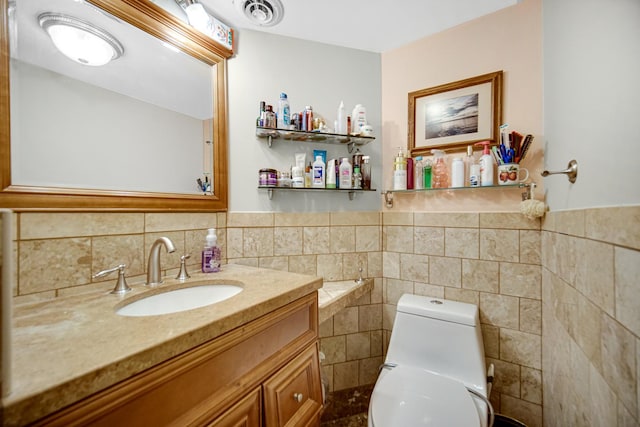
{"points": [[508, 40], [311, 74], [591, 68]]}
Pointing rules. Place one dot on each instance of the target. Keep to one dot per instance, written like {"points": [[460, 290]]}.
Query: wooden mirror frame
{"points": [[157, 22]]}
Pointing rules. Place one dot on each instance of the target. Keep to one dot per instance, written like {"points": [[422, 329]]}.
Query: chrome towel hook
{"points": [[571, 171]]}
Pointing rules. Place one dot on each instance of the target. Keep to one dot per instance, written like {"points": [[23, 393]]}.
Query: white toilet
{"points": [[434, 355]]}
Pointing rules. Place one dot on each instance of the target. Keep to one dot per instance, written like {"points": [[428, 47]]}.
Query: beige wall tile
{"points": [[506, 378], [395, 289], [110, 251], [376, 292], [301, 219], [625, 419], [627, 288], [491, 341], [462, 242], [548, 257], [54, 225], [374, 264], [250, 219], [257, 242], [376, 345], [358, 346], [499, 245], [287, 241], [462, 295], [249, 262], [521, 280], [280, 263], [316, 240], [368, 238], [447, 219], [330, 267], [565, 253], [589, 330], [520, 347], [480, 275], [334, 349], [221, 217], [445, 271], [345, 375], [355, 218], [370, 317], [346, 321], [499, 310], [619, 360], [414, 267], [529, 413], [351, 263], [235, 242], [369, 370], [428, 290], [342, 239], [428, 240], [602, 403], [388, 317], [53, 264], [156, 222], [325, 328], [564, 301], [531, 385], [619, 225], [594, 273], [304, 264], [530, 247], [531, 316], [508, 220], [391, 265], [570, 222], [397, 218], [397, 239]]}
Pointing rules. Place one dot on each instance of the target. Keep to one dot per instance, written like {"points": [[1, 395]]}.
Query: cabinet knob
{"points": [[298, 397]]}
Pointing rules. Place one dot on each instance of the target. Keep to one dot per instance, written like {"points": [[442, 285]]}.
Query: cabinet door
{"points": [[245, 413], [293, 395]]}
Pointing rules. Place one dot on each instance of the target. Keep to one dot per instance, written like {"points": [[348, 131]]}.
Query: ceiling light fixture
{"points": [[264, 13], [79, 40]]}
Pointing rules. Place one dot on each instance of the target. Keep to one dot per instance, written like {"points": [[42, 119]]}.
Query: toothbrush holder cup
{"points": [[512, 173]]}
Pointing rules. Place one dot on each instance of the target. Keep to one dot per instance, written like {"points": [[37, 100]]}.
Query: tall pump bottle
{"points": [[439, 170], [486, 165], [211, 253], [400, 171]]}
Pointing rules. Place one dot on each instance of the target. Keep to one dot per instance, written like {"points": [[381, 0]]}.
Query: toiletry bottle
{"points": [[211, 253], [270, 118], [400, 171], [486, 165], [261, 114], [331, 173], [410, 172], [366, 173], [307, 176], [457, 172], [345, 173], [418, 174], [468, 162], [440, 172], [358, 118], [341, 121], [357, 178], [318, 175], [426, 173], [284, 113]]}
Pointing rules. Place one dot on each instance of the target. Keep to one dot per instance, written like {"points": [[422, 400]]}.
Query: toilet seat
{"points": [[414, 397]]}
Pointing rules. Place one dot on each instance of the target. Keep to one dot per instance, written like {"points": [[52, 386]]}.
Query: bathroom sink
{"points": [[179, 300]]}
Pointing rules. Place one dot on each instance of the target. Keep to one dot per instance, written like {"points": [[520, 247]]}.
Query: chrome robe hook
{"points": [[571, 171]]}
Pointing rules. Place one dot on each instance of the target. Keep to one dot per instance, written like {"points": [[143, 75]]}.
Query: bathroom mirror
{"points": [[135, 134]]}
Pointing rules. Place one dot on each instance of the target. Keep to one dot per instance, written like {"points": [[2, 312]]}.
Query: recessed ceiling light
{"points": [[79, 40]]}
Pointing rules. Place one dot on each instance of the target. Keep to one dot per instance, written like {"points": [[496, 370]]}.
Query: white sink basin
{"points": [[179, 300]]}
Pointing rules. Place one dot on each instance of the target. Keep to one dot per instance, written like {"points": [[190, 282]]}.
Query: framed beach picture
{"points": [[454, 115]]}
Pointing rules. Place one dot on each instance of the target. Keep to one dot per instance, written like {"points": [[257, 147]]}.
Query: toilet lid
{"points": [[414, 397]]}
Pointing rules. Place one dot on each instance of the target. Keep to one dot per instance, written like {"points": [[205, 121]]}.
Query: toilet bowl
{"points": [[434, 372]]}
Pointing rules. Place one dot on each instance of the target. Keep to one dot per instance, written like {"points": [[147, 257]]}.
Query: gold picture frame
{"points": [[454, 115]]}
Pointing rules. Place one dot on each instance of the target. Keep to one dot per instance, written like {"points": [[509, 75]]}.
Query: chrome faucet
{"points": [[153, 267]]}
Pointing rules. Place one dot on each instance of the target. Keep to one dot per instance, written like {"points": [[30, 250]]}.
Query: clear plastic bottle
{"points": [[457, 172], [427, 173], [418, 174], [345, 173], [270, 118], [284, 112], [341, 121], [357, 178], [440, 172]]}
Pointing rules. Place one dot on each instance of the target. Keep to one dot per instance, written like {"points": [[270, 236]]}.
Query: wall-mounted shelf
{"points": [[388, 195], [271, 135], [351, 191]]}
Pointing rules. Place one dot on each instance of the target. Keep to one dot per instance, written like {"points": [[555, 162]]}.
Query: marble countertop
{"points": [[70, 347], [334, 296]]}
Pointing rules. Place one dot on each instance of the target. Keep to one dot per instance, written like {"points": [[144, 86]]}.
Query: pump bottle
{"points": [[211, 253], [486, 165]]}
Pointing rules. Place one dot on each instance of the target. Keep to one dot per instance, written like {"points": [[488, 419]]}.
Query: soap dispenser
{"points": [[486, 165], [211, 253]]}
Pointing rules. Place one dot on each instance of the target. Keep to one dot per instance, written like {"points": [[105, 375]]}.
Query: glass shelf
{"points": [[271, 134], [388, 195], [350, 191]]}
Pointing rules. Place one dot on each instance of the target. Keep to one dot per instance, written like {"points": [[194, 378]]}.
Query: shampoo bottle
{"points": [[284, 112], [345, 173], [211, 253], [486, 165]]}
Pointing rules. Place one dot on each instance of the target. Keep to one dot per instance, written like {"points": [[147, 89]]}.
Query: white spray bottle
{"points": [[486, 165]]}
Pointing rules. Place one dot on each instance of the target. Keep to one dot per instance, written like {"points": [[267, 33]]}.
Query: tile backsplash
{"points": [[559, 302]]}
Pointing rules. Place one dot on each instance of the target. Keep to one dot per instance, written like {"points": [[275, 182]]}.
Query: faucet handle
{"points": [[183, 274], [121, 286], [359, 280]]}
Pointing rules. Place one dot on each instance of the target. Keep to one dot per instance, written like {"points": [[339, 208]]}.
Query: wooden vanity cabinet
{"points": [[263, 373]]}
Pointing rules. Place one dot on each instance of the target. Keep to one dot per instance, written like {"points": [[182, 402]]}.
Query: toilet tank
{"points": [[440, 336]]}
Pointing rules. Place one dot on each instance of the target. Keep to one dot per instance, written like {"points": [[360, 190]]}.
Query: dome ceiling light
{"points": [[79, 40], [264, 13]]}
